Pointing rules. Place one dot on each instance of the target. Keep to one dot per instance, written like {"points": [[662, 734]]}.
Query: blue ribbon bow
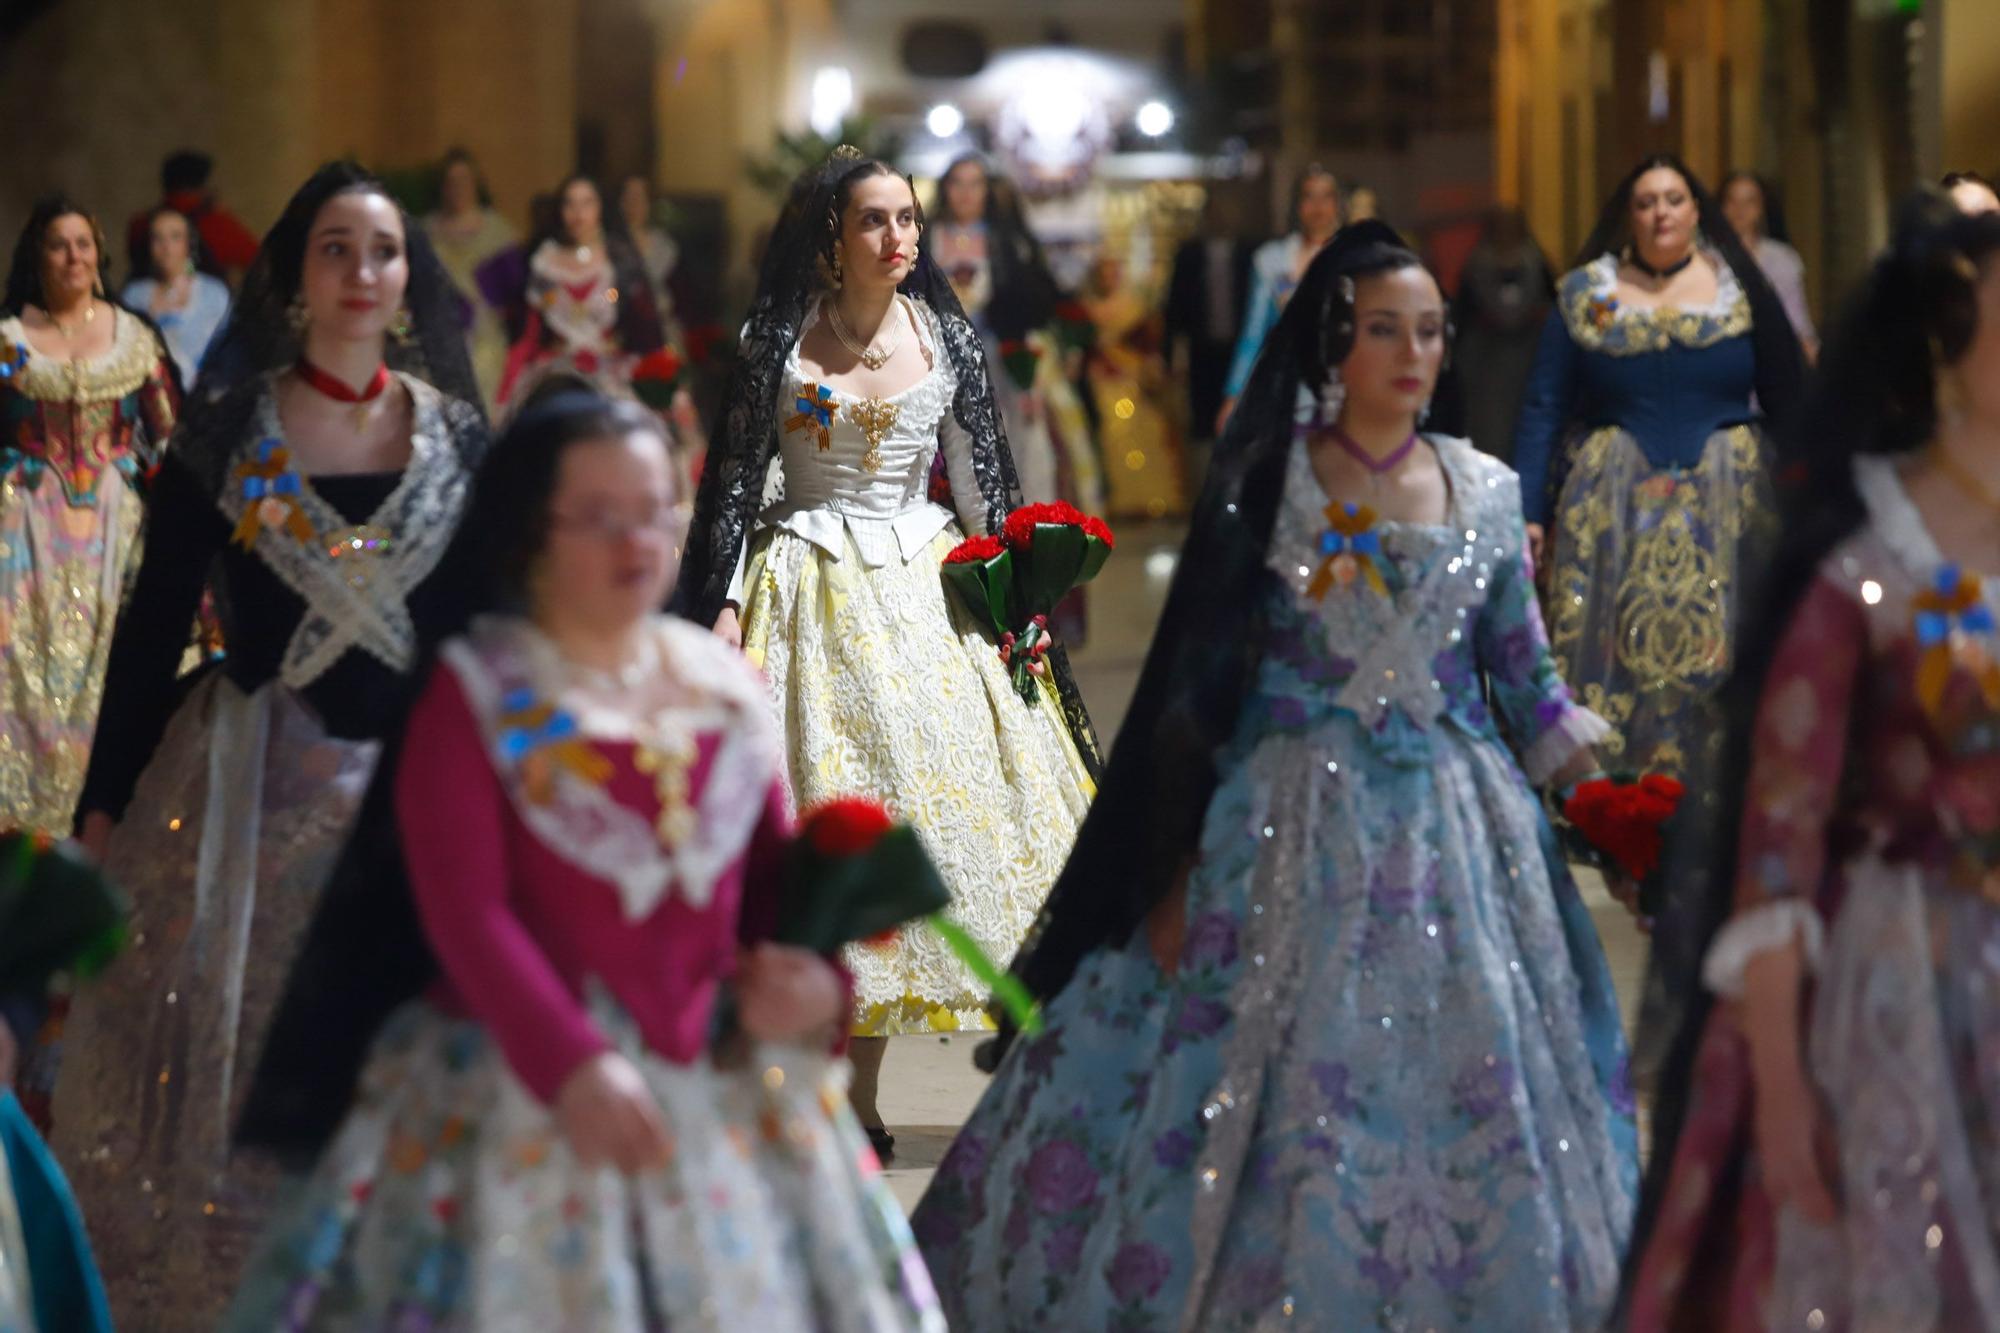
{"points": [[817, 408], [516, 743], [257, 488], [1363, 543]]}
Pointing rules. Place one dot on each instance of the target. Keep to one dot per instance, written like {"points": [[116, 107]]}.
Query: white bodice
{"points": [[863, 470]]}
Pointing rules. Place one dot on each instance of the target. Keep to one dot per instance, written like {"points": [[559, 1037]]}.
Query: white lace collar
{"points": [[1603, 272], [517, 687]]}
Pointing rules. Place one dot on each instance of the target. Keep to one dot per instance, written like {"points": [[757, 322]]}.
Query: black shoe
{"points": [[883, 1142]]}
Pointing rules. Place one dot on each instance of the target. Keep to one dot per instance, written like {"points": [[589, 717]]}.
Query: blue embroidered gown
{"points": [[1640, 444], [1385, 1086]]}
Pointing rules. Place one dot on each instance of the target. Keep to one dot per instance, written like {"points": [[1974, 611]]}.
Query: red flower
{"points": [[975, 551], [1072, 312], [1095, 527], [1624, 820], [1019, 530], [846, 826], [661, 364]]}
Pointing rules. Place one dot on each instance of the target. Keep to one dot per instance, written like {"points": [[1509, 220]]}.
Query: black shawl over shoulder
{"points": [[1147, 819]]}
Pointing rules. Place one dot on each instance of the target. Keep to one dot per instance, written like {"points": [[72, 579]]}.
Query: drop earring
{"points": [[297, 317], [1332, 395]]}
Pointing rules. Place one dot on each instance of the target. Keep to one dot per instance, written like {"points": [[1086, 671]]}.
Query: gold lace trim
{"points": [[133, 356]]}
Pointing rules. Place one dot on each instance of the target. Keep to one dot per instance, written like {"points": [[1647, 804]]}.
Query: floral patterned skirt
{"points": [[229, 838], [63, 569], [885, 688], [1382, 1089], [448, 1201]]}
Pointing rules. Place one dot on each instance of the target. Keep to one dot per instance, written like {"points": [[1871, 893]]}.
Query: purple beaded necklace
{"points": [[1378, 468]]}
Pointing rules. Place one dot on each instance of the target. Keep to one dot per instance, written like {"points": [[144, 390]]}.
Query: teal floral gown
{"points": [[1385, 1085]]}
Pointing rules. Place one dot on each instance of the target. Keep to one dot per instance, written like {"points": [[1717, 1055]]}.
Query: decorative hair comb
{"points": [[847, 152]]}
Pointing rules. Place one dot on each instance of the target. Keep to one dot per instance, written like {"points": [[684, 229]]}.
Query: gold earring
{"points": [[297, 316], [400, 326]]}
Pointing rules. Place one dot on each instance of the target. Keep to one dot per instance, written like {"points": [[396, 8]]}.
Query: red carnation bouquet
{"points": [[1021, 358], [1076, 331], [1013, 581], [1622, 824], [854, 875], [657, 377]]}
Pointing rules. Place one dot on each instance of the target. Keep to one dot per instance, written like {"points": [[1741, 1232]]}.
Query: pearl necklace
{"points": [[870, 358]]}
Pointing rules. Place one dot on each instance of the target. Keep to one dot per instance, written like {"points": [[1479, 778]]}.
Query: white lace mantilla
{"points": [[582, 822], [355, 579]]}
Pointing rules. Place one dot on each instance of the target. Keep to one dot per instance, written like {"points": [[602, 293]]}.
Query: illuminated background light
{"points": [[832, 99], [944, 120], [1154, 119]]}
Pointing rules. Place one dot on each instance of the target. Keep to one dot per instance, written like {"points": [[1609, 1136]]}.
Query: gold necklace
{"points": [[1964, 477], [89, 314], [870, 358]]}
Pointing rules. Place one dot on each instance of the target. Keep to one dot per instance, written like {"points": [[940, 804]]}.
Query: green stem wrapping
{"points": [[1006, 987]]}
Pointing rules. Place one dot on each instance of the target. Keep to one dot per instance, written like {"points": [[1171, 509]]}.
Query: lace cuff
{"points": [[1576, 728], [1758, 931]]}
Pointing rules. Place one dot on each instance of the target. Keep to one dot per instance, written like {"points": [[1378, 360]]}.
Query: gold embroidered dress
{"points": [[885, 688], [75, 438], [1641, 449]]}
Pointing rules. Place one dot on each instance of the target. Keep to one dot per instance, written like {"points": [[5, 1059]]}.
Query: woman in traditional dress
{"points": [[1643, 453], [1824, 1151], [185, 304], [1145, 474], [87, 400], [857, 367], [466, 232], [1278, 265], [982, 242], [1328, 1039], [319, 476], [592, 806], [590, 306], [1752, 209]]}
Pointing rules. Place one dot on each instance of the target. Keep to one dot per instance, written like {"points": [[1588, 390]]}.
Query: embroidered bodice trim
{"points": [[505, 663], [355, 579], [1599, 322], [131, 359]]}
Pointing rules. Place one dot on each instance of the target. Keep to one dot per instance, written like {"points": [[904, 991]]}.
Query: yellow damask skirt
{"points": [[1645, 589], [886, 688]]}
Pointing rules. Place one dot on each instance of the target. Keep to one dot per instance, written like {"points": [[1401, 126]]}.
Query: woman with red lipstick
{"points": [[87, 399], [314, 484], [1646, 471], [816, 547], [590, 305], [1328, 1039]]}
